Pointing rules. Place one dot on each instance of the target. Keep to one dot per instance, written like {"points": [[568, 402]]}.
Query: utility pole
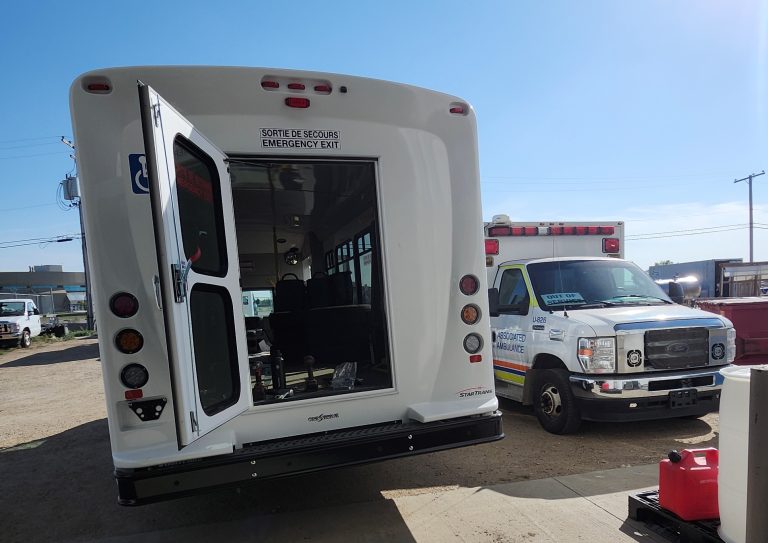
{"points": [[748, 179], [72, 194]]}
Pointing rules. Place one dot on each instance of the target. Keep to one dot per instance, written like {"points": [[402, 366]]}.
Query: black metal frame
{"points": [[306, 454]]}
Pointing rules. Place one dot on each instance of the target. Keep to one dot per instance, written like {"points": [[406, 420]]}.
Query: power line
{"points": [[31, 156], [42, 241], [711, 175], [693, 233], [28, 145], [30, 139], [692, 229], [26, 207]]}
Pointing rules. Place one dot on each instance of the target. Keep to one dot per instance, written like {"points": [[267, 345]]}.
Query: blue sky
{"points": [[639, 111]]}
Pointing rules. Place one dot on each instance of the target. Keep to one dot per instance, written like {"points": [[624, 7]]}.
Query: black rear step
{"points": [[286, 457]]}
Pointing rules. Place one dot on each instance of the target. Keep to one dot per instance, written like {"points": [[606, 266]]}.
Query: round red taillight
{"points": [[469, 285], [124, 305]]}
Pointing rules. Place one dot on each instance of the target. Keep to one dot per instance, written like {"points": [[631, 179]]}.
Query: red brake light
{"points": [[611, 245], [498, 231], [124, 305], [301, 103], [469, 285], [491, 246], [296, 86], [270, 84]]}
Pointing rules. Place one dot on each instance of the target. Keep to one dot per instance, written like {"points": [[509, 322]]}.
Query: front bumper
{"points": [[648, 396], [303, 455]]}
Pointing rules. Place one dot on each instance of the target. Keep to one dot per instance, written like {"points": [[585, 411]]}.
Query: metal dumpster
{"points": [[750, 318]]}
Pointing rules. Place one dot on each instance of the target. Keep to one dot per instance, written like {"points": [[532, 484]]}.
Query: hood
{"points": [[603, 320]]}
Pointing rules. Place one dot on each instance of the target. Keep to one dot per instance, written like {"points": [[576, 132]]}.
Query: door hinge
{"points": [[180, 272], [156, 114], [193, 421]]}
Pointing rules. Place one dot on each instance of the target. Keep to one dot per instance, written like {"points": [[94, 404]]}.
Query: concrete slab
{"points": [[589, 507]]}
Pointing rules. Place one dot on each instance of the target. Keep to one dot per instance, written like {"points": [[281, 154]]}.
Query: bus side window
{"points": [[513, 294]]}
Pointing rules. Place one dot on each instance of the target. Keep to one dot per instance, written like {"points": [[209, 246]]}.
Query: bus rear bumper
{"points": [[294, 456]]}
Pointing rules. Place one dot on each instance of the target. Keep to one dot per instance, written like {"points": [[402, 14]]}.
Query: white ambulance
{"points": [[286, 269], [581, 334]]}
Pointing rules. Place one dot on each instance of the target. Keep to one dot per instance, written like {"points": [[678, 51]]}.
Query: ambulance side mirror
{"points": [[493, 302]]}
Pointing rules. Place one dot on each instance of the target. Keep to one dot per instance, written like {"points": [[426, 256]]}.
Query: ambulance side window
{"points": [[513, 294]]}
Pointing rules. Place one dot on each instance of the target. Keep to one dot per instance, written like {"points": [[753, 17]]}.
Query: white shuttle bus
{"points": [[286, 269]]}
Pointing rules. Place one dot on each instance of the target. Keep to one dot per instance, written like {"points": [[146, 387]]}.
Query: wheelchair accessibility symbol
{"points": [[139, 178]]}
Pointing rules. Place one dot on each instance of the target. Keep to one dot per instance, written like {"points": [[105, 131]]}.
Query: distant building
{"points": [[54, 290], [718, 278]]}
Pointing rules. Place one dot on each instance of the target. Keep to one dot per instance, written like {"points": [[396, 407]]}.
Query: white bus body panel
{"points": [[429, 209]]}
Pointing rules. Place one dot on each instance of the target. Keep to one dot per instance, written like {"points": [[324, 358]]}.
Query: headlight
{"points": [[597, 355], [730, 349], [14, 328]]}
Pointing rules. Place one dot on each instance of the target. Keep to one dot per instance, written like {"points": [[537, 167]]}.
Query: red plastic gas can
{"points": [[688, 484]]}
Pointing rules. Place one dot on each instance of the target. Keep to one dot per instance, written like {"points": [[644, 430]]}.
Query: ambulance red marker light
{"points": [[469, 285], [607, 230], [491, 247], [476, 358], [568, 230], [270, 85], [499, 231], [457, 110], [531, 231], [611, 245], [323, 88], [593, 230], [556, 230], [99, 87], [296, 86]]}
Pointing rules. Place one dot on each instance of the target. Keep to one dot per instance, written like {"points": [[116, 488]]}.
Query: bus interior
{"points": [[310, 272]]}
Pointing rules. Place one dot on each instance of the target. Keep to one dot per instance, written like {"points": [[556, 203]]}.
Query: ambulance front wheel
{"points": [[25, 340], [554, 403]]}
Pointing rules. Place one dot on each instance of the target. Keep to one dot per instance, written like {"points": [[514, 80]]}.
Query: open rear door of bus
{"points": [[198, 265]]}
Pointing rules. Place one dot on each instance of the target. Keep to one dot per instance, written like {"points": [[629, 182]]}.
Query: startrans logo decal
{"points": [[474, 391], [322, 417]]}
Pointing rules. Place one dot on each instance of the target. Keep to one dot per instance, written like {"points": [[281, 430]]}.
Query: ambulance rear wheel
{"points": [[554, 403]]}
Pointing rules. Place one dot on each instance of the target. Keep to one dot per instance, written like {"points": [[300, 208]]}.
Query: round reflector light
{"points": [[470, 314], [129, 341], [473, 343], [469, 285], [134, 376], [124, 305]]}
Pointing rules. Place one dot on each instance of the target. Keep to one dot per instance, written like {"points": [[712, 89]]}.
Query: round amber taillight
{"points": [[470, 314], [129, 341]]}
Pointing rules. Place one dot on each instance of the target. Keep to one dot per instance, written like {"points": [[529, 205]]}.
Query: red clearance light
{"points": [[458, 110], [301, 103], [593, 230], [499, 231], [476, 358], [568, 230], [296, 86], [531, 231], [98, 87], [134, 394], [611, 245], [581, 230], [607, 230], [323, 88], [556, 230], [491, 246], [517, 231], [270, 84]]}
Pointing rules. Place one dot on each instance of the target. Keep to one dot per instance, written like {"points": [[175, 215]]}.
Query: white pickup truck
{"points": [[19, 321], [581, 334]]}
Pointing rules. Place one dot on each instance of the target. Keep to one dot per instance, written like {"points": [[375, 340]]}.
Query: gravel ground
{"points": [[55, 462]]}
